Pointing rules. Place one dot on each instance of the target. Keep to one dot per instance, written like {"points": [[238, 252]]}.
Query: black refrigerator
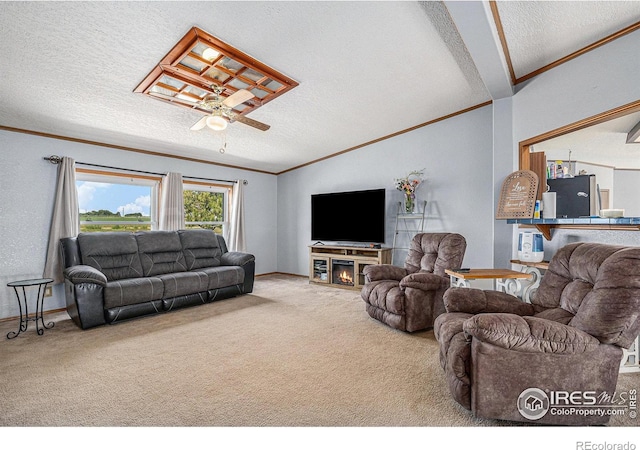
{"points": [[576, 196]]}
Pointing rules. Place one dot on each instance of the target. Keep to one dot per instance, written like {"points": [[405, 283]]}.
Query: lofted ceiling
{"points": [[365, 70]]}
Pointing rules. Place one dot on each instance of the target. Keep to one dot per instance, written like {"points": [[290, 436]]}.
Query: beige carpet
{"points": [[290, 354]]}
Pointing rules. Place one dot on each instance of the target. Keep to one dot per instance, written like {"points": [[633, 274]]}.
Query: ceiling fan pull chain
{"points": [[224, 142]]}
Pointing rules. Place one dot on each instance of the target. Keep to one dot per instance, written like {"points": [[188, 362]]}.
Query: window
{"points": [[206, 206], [116, 202]]}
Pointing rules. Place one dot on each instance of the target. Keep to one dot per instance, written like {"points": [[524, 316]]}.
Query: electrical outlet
{"points": [[48, 292]]}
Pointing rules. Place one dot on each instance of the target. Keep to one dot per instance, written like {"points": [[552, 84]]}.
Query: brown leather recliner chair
{"points": [[506, 359], [409, 298]]}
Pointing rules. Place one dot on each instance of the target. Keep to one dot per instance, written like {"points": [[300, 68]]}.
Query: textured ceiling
{"points": [[366, 69], [541, 32]]}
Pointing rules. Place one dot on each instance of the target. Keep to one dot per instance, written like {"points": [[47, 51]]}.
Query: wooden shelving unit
{"points": [[341, 266]]}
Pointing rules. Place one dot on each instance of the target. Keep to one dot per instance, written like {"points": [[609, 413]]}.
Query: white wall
{"points": [[600, 80], [27, 188], [457, 157], [627, 183]]}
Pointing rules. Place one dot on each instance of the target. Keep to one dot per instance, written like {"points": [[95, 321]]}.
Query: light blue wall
{"points": [[457, 157], [27, 188], [503, 162]]}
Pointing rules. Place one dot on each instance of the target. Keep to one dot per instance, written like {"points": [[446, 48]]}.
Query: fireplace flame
{"points": [[345, 278]]}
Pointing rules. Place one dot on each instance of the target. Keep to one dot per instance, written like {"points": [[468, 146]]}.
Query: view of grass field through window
{"points": [[114, 206], [106, 206]]}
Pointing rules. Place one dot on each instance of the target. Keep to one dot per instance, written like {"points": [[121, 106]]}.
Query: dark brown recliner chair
{"points": [[410, 298], [506, 359]]}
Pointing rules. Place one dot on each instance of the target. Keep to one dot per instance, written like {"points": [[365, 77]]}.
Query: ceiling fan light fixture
{"points": [[210, 54], [216, 123]]}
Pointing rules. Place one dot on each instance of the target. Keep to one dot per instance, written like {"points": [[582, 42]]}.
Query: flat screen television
{"points": [[355, 216]]}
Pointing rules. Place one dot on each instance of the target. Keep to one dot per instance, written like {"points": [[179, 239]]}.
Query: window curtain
{"points": [[65, 221], [236, 240], [172, 204]]}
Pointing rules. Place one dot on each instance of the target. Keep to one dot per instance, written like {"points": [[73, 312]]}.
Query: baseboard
{"points": [[50, 311], [282, 273]]}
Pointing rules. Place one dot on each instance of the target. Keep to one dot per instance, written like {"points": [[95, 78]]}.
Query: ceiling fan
{"points": [[221, 110]]}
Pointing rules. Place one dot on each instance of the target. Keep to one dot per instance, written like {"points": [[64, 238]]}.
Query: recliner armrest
{"points": [[85, 274], [476, 301], [425, 281], [529, 334], [379, 272]]}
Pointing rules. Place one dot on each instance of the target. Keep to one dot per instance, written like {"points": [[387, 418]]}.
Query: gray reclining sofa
{"points": [[114, 276]]}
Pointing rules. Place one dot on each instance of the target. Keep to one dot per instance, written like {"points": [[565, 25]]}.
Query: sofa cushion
{"points": [[160, 252], [201, 248], [115, 254], [132, 291], [223, 276], [183, 283]]}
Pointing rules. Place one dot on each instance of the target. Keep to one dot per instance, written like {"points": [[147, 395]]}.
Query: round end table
{"points": [[20, 287]]}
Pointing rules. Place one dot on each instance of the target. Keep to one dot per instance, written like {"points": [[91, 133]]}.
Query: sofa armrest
{"points": [[84, 295], [378, 272], [85, 274], [248, 263], [476, 301], [529, 334], [425, 281], [236, 258]]}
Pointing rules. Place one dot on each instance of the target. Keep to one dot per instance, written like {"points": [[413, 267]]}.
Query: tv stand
{"points": [[341, 266]]}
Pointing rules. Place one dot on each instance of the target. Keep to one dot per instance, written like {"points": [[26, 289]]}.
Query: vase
{"points": [[409, 204]]}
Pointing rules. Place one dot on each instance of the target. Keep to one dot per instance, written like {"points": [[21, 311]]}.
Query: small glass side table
{"points": [[505, 280], [41, 283]]}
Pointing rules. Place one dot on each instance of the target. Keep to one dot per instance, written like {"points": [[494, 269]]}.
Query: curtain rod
{"points": [[55, 159]]}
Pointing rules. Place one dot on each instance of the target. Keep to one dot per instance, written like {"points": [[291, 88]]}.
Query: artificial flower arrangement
{"points": [[408, 186]]}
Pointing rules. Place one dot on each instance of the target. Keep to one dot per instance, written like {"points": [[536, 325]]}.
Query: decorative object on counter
{"points": [[408, 186], [549, 205], [612, 213], [518, 195]]}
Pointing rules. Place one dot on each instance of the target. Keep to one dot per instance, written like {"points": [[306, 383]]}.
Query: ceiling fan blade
{"points": [[240, 96], [252, 123], [169, 98], [200, 124]]}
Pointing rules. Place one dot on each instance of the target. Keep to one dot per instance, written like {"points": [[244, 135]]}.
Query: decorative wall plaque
{"points": [[518, 196]]}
